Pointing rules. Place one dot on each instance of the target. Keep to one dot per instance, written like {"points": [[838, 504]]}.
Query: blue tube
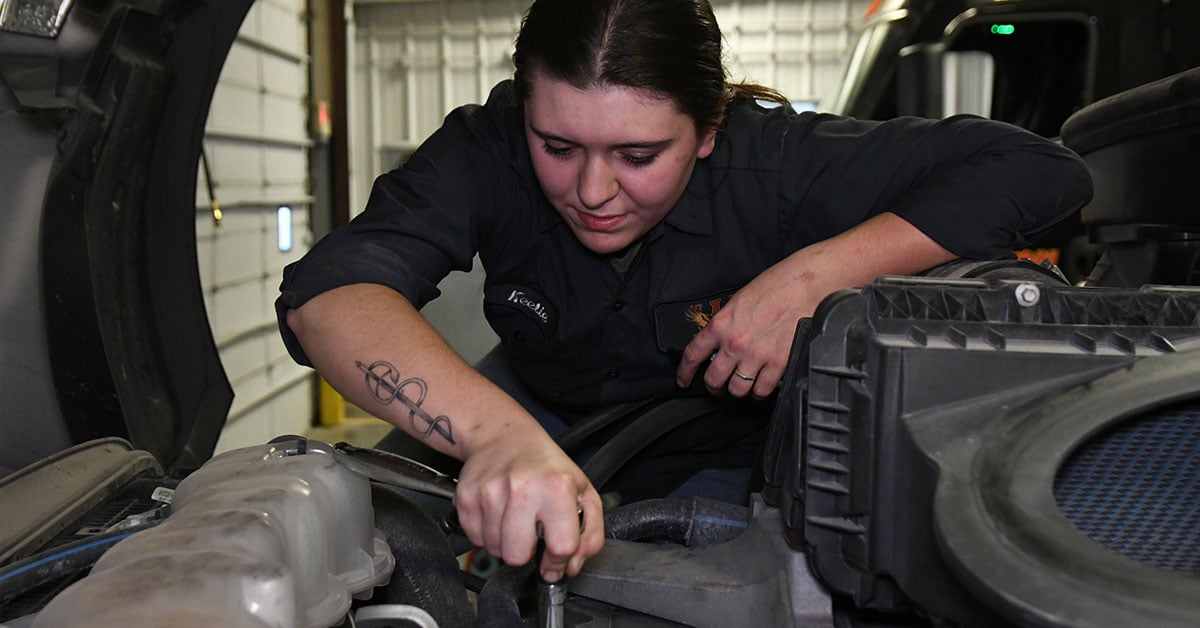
{"points": [[62, 561], [59, 555]]}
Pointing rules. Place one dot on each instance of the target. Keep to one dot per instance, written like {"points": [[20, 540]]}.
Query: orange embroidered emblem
{"points": [[696, 314]]}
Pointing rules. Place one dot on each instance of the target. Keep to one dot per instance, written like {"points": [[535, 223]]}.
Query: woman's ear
{"points": [[709, 140]]}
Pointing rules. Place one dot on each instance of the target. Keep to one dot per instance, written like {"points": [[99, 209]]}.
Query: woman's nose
{"points": [[597, 183]]}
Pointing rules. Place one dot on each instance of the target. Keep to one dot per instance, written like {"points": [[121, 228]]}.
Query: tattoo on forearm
{"points": [[384, 383]]}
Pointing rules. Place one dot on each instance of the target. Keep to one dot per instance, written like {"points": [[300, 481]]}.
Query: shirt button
{"points": [[618, 305], [519, 337], [613, 373]]}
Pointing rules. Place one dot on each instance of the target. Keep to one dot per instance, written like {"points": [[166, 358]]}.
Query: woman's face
{"points": [[612, 160]]}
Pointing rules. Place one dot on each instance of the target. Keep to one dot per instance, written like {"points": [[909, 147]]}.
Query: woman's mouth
{"points": [[593, 222]]}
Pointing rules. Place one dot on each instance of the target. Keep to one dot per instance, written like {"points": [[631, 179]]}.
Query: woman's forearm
{"points": [[378, 351], [882, 245]]}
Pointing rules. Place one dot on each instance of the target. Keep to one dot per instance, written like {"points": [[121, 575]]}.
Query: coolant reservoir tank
{"points": [[274, 535]]}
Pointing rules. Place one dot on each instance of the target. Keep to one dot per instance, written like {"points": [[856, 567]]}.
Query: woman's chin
{"points": [[603, 243]]}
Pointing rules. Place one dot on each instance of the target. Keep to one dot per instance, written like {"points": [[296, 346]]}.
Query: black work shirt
{"points": [[580, 334]]}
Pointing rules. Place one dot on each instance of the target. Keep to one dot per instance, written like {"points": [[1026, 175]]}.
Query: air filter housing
{"points": [[922, 413]]}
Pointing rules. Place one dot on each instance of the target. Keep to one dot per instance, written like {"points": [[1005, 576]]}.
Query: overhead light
{"points": [[283, 225]]}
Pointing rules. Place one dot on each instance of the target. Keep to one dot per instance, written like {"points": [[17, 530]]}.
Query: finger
{"points": [[719, 373], [768, 380], [470, 520], [592, 539], [742, 380], [491, 521], [561, 543], [518, 533], [695, 354], [560, 532]]}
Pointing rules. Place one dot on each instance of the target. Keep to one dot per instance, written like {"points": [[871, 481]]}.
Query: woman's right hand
{"points": [[520, 484], [514, 476]]}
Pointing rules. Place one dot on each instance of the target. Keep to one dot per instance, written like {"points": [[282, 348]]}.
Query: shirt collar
{"points": [[693, 213], [548, 218]]}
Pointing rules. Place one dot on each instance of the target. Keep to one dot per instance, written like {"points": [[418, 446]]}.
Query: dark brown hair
{"points": [[672, 47]]}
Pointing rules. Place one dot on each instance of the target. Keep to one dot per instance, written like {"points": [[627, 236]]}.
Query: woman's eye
{"points": [[557, 151], [640, 160]]}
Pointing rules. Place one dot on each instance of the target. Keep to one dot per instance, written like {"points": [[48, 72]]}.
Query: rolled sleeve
{"points": [[999, 196], [979, 188], [421, 221]]}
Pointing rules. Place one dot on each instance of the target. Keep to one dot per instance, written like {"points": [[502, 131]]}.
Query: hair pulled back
{"points": [[672, 47]]}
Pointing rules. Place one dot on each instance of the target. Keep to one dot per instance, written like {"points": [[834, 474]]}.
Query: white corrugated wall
{"points": [[411, 62], [414, 60], [792, 45], [257, 142]]}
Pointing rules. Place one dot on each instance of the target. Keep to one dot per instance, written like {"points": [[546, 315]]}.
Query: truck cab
{"points": [[1032, 63], [1029, 62]]}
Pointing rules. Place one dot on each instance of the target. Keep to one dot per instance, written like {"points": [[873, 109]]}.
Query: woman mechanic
{"points": [[645, 227]]}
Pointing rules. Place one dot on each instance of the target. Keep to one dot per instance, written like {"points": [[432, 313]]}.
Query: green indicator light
{"points": [[1003, 29]]}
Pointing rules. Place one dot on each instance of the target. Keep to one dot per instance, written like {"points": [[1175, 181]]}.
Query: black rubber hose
{"points": [[690, 522], [597, 421], [499, 600], [994, 270], [666, 519], [427, 575], [62, 561], [644, 430]]}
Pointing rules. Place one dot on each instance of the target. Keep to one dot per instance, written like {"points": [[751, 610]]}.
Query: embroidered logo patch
{"points": [[696, 312], [677, 322], [525, 300]]}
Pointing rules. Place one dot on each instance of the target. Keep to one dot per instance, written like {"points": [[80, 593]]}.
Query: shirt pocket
{"points": [[521, 315], [677, 322], [526, 323]]}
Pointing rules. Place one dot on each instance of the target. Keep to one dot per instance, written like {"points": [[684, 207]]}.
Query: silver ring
{"points": [[745, 378]]}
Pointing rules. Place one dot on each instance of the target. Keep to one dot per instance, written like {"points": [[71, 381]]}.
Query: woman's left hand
{"points": [[746, 344]]}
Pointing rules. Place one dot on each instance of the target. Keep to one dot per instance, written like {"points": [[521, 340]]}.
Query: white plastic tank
{"points": [[273, 535]]}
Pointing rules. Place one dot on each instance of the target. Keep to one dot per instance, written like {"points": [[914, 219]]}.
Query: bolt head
{"points": [[1028, 294]]}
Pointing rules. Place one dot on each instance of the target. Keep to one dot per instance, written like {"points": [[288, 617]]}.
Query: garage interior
{"points": [[271, 149], [1073, 391]]}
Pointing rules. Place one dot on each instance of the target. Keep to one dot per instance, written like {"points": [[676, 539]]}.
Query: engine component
{"points": [[1140, 145], [58, 489], [43, 18], [260, 536], [392, 616], [753, 579], [1125, 554], [912, 389], [427, 575]]}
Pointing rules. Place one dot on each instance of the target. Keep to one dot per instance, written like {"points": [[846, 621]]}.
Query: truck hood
{"points": [[103, 324]]}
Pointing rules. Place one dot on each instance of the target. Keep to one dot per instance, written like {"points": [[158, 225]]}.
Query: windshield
{"points": [[853, 75], [861, 79]]}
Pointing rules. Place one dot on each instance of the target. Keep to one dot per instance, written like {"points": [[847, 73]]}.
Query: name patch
{"points": [[525, 300], [533, 303]]}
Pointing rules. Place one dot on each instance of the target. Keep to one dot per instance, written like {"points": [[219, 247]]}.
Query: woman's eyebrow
{"points": [[652, 145], [549, 136]]}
